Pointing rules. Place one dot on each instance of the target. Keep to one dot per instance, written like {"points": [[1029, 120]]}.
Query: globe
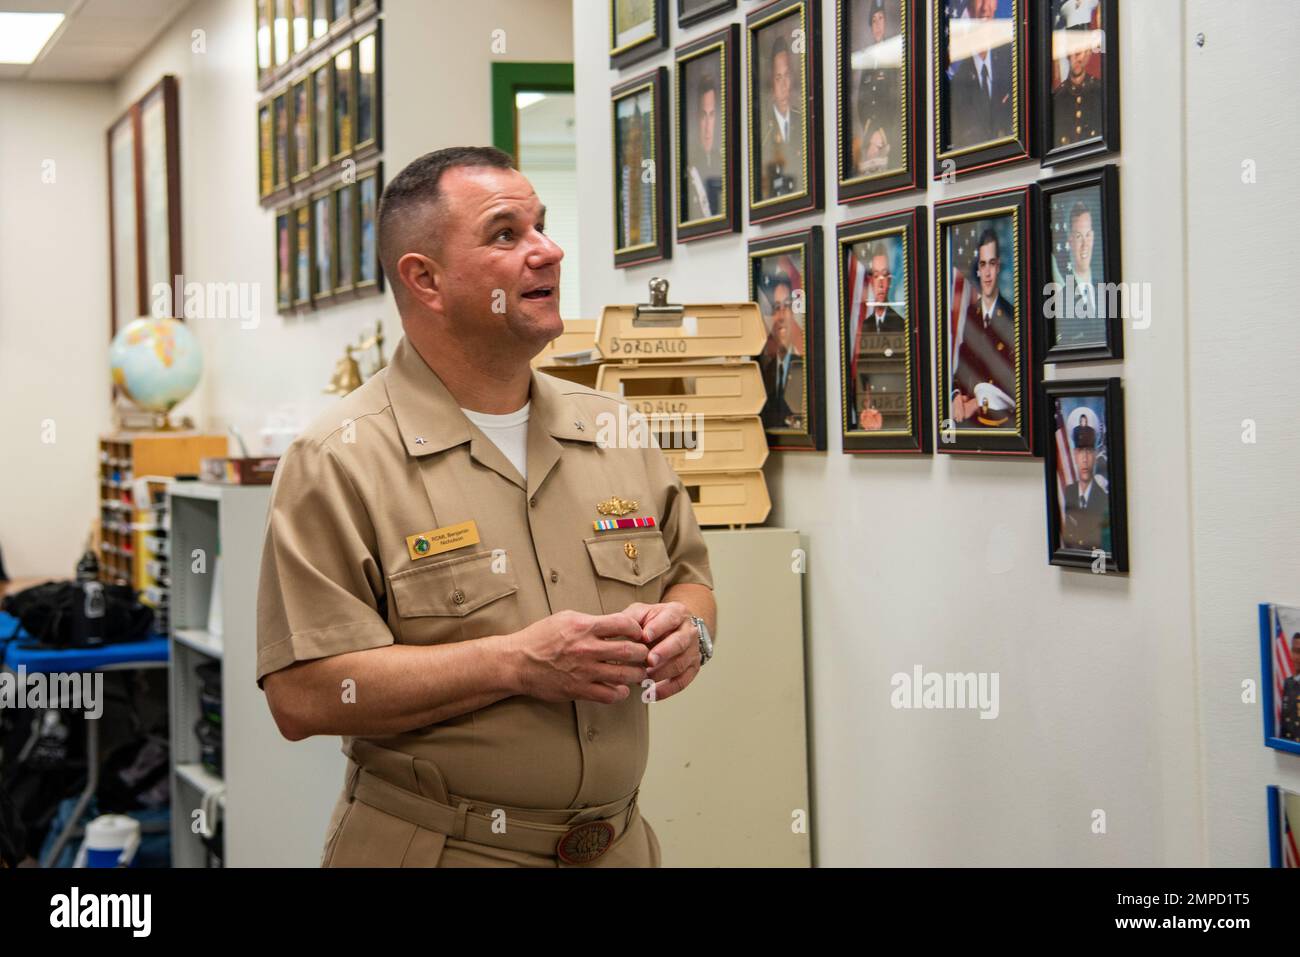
{"points": [[156, 363]]}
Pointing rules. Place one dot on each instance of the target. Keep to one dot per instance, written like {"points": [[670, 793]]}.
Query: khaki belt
{"points": [[587, 835]]}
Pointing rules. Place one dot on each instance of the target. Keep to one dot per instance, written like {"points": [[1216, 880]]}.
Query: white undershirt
{"points": [[508, 432]]}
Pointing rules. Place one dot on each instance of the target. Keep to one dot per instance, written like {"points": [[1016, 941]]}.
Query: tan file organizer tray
{"points": [[703, 388], [711, 443], [728, 498], [701, 331], [579, 335]]}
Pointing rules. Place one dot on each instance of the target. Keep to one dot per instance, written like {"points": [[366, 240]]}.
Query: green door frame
{"points": [[511, 78]]}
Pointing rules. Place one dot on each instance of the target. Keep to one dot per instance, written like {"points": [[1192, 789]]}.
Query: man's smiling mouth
{"points": [[543, 292]]}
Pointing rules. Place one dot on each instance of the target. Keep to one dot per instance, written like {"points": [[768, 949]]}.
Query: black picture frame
{"points": [[704, 9], [1003, 422], [324, 253], [369, 188], [630, 248], [807, 433], [284, 259], [345, 238], [776, 189], [369, 137], [1058, 295], [978, 143], [856, 180], [903, 235], [1279, 697], [322, 108], [281, 124], [343, 99], [635, 49], [265, 150], [1061, 439], [303, 252], [301, 141], [1093, 136], [695, 215]]}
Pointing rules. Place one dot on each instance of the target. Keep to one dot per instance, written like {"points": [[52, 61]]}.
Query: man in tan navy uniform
{"points": [[459, 579]]}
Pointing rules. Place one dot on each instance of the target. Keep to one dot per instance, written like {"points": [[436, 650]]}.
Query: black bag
{"points": [[49, 613]]}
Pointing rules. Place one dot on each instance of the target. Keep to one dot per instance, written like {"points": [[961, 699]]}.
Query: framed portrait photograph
{"points": [[282, 31], [322, 221], [369, 97], [642, 229], [280, 118], [340, 10], [345, 237], [981, 68], [264, 18], [637, 29], [302, 254], [342, 91], [1078, 79], [707, 149], [265, 150], [783, 74], [284, 259], [160, 183], [884, 323], [985, 369], [300, 102], [322, 127], [1087, 506], [320, 19], [1279, 651], [301, 11], [1082, 304], [369, 274], [879, 100], [785, 279], [691, 12], [1283, 827], [125, 226]]}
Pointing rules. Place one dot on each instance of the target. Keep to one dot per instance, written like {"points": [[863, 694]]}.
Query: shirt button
{"points": [[591, 733], [532, 502], [555, 576], [458, 597]]}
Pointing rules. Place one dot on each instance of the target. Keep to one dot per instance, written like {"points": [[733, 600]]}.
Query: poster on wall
{"points": [[641, 224], [123, 212], [1279, 647], [160, 179], [1078, 79]]}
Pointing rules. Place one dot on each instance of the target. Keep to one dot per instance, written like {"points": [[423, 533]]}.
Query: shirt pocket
{"points": [[470, 596], [629, 568]]}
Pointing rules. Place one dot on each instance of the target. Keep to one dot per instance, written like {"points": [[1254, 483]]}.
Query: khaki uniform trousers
{"points": [[395, 811]]}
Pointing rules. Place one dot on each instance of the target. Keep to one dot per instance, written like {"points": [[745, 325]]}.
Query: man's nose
{"points": [[545, 252]]}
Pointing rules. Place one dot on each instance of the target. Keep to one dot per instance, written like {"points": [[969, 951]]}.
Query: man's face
{"points": [[708, 119], [984, 9], [880, 279], [781, 81], [1084, 459], [989, 266], [500, 272], [878, 26], [1081, 243], [1078, 60], [782, 316]]}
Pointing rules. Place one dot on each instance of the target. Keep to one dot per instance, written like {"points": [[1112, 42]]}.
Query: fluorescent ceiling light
{"points": [[24, 35]]}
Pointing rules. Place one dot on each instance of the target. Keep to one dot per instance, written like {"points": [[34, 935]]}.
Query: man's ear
{"points": [[422, 278]]}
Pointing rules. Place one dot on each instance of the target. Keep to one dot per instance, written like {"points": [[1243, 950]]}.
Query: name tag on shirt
{"points": [[439, 540]]}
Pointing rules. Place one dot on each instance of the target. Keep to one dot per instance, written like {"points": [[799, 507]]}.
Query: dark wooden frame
{"points": [[704, 13], [912, 121], [1108, 141], [354, 19], [1112, 392], [302, 203], [284, 303], [1013, 149], [281, 178], [809, 241], [338, 149], [662, 246], [811, 198], [376, 173], [914, 226], [341, 194], [322, 287], [1018, 201], [322, 71], [726, 41], [1106, 180], [304, 81], [167, 89], [626, 55], [265, 151], [362, 148]]}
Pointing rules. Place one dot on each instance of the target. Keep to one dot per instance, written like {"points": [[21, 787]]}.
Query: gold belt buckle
{"points": [[585, 843]]}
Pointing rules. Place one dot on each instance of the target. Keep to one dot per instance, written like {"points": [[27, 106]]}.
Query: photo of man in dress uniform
{"points": [[1077, 103], [984, 375], [781, 361], [1076, 247], [979, 58], [1289, 723], [701, 187], [1087, 505], [781, 142], [877, 377], [877, 77]]}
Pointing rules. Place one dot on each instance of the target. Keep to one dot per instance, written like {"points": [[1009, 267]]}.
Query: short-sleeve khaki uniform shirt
{"points": [[398, 458]]}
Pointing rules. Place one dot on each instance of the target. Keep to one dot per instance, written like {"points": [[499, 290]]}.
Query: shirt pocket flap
{"points": [[456, 588], [611, 557]]}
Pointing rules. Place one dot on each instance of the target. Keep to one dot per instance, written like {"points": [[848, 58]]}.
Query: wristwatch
{"points": [[706, 643]]}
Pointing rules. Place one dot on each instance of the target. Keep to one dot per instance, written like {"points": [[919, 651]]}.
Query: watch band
{"points": [[706, 643]]}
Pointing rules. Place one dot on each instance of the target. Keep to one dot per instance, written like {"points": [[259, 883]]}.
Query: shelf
{"points": [[200, 778], [203, 490], [200, 640]]}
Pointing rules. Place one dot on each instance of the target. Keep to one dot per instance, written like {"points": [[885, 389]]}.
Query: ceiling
{"points": [[97, 40]]}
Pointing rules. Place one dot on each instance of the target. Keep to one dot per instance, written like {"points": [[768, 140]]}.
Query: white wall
{"points": [[53, 320], [436, 93], [1244, 343], [942, 561]]}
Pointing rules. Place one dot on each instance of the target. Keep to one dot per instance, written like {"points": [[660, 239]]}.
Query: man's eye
{"points": [[505, 234], [541, 227]]}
